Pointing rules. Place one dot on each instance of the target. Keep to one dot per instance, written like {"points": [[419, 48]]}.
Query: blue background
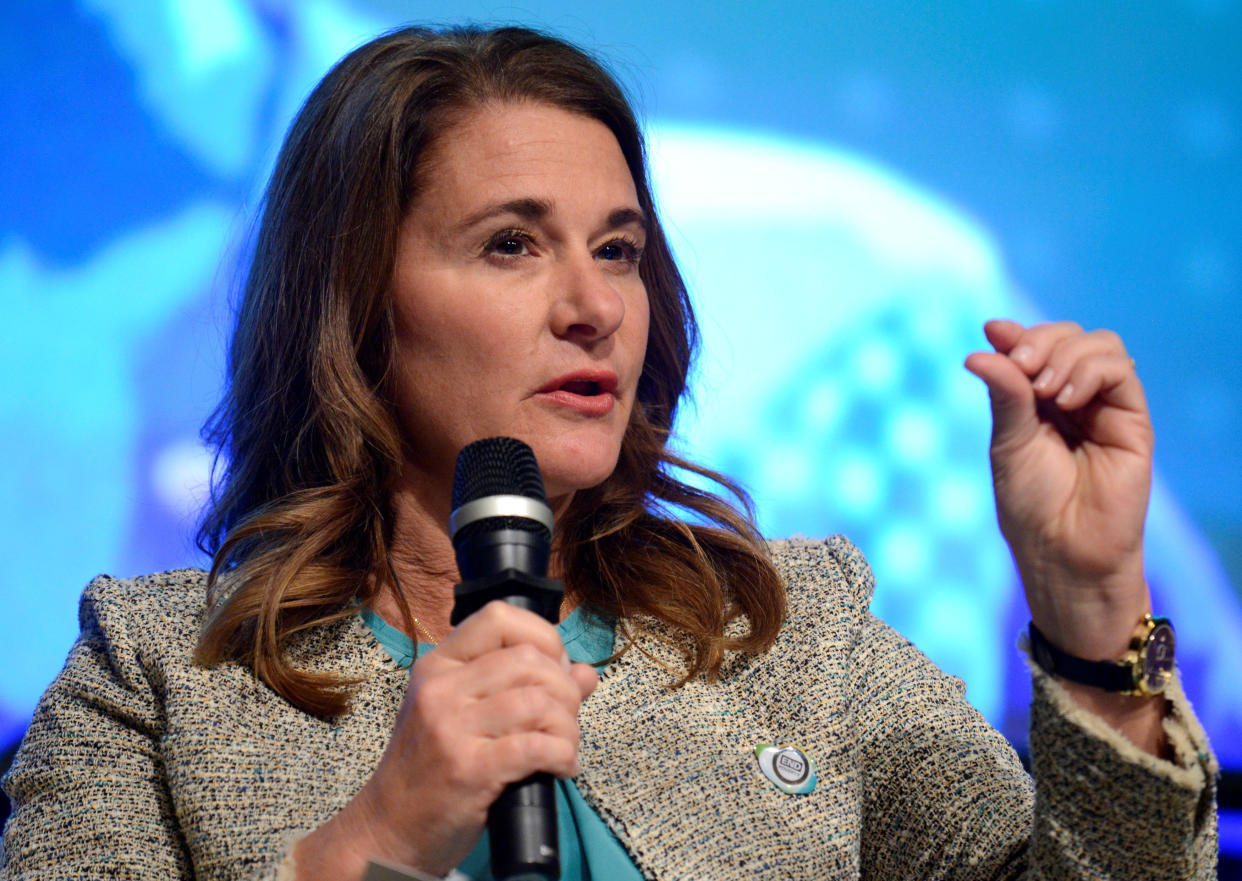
{"points": [[852, 188]]}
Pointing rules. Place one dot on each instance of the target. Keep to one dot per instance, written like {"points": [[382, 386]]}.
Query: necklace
{"points": [[418, 627]]}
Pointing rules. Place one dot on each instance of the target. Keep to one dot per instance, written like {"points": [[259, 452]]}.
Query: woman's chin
{"points": [[564, 477], [563, 488]]}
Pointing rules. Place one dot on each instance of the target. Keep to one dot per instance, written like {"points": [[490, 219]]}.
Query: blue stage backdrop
{"points": [[853, 190]]}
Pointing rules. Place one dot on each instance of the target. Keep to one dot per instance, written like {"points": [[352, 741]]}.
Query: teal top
{"points": [[589, 850]]}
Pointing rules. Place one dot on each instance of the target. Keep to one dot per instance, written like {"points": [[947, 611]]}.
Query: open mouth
{"points": [[589, 392], [586, 388]]}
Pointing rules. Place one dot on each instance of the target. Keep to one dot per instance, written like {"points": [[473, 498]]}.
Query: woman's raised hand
{"points": [[1071, 466], [495, 702]]}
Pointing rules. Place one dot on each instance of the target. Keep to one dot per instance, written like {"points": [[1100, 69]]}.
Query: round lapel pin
{"points": [[788, 766]]}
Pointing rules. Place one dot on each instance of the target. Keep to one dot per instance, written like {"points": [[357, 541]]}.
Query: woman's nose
{"points": [[588, 306]]}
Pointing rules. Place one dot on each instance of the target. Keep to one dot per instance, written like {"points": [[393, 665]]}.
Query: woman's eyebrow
{"points": [[532, 209], [626, 217], [527, 208]]}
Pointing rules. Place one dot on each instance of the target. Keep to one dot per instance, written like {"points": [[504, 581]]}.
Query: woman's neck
{"points": [[422, 560], [425, 564]]}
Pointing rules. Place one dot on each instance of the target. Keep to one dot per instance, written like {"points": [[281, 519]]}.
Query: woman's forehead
{"points": [[505, 152]]}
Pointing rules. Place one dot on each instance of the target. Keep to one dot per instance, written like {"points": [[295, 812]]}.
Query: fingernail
{"points": [[565, 660], [1066, 393], [1045, 377], [1022, 354]]}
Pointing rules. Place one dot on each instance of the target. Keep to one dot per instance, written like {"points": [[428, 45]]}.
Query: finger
{"points": [[1013, 399], [499, 625], [1002, 334], [522, 709], [450, 694], [520, 666], [585, 677], [1069, 352], [1032, 347], [1108, 378], [519, 755]]}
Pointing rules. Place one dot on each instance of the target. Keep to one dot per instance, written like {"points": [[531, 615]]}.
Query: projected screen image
{"points": [[849, 199]]}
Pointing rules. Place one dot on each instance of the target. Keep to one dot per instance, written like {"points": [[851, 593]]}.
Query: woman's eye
{"points": [[620, 250], [509, 243]]}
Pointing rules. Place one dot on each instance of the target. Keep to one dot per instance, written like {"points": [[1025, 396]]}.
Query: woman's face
{"points": [[519, 308]]}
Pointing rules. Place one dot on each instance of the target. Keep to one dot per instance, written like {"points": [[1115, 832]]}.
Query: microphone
{"points": [[501, 527]]}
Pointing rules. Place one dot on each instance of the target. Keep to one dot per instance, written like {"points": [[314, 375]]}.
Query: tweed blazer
{"points": [[138, 764]]}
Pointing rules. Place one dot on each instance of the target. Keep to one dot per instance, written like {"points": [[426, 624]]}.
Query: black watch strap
{"points": [[1107, 675]]}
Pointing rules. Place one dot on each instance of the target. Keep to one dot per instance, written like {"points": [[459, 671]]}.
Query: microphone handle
{"points": [[521, 824]]}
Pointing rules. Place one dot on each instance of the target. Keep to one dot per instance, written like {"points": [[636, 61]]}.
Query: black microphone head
{"points": [[497, 466]]}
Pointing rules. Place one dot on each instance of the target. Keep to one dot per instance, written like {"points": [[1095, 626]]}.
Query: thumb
{"points": [[1014, 416]]}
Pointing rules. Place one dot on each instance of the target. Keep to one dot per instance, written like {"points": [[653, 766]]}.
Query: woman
{"points": [[459, 241]]}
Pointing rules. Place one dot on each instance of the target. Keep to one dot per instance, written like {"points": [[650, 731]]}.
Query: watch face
{"points": [[1158, 658]]}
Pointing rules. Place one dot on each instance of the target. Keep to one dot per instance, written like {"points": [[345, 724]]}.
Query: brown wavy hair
{"points": [[300, 523]]}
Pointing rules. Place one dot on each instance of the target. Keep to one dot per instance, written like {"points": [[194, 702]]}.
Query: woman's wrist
{"points": [[1139, 719], [326, 853], [1097, 622], [344, 846], [1093, 619]]}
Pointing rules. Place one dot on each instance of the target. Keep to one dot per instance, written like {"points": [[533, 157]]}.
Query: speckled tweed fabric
{"points": [[140, 765]]}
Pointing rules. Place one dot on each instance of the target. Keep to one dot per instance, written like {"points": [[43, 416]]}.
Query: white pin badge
{"points": [[788, 766]]}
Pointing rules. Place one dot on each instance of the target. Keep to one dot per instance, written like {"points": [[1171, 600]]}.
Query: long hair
{"points": [[300, 524]]}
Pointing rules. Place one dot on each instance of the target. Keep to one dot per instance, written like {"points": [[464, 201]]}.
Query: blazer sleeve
{"points": [[87, 786], [88, 790], [946, 797]]}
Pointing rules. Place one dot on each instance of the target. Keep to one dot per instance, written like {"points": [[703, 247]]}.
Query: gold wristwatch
{"points": [[1144, 670]]}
